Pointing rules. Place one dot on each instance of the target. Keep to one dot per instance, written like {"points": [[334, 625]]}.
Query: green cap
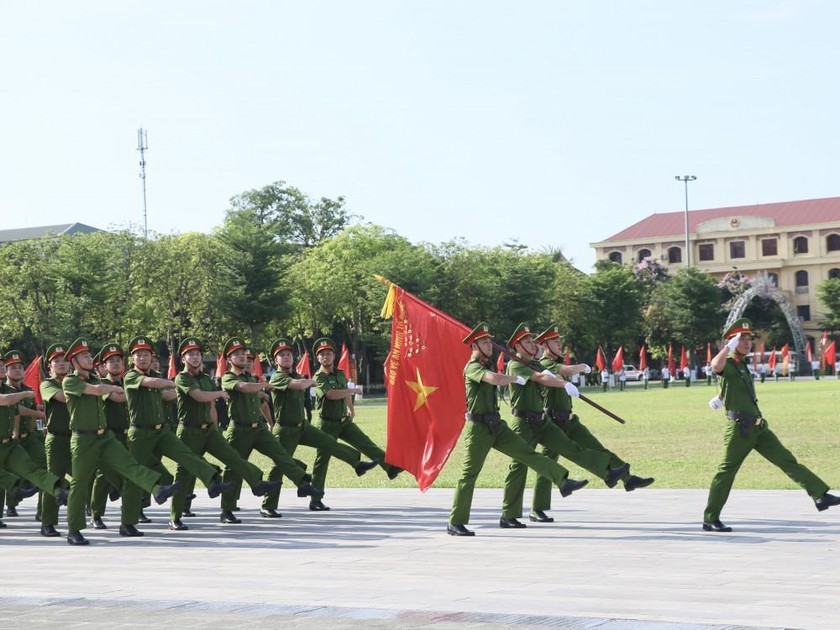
{"points": [[12, 357], [552, 332], [742, 326], [324, 343], [190, 343], [110, 349], [519, 334], [232, 345], [479, 332], [280, 345], [77, 347], [55, 350], [140, 342]]}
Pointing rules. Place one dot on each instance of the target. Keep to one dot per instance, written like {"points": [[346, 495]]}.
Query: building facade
{"points": [[797, 243]]}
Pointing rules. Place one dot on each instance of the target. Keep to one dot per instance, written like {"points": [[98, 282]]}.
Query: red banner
{"points": [[671, 365], [33, 377], [601, 359], [771, 362], [618, 360], [173, 371], [302, 367], [683, 359], [642, 359]]}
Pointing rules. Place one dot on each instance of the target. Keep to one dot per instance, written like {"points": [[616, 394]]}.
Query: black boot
{"points": [[538, 516], [229, 518], [633, 482], [49, 531], [393, 471], [826, 501], [362, 467], [614, 474], [61, 496], [24, 491], [458, 530], [218, 486], [264, 487], [177, 525], [11, 511], [97, 523], [164, 492], [715, 526], [571, 485], [318, 506], [76, 538], [269, 513], [130, 530], [511, 523], [308, 490], [143, 518]]}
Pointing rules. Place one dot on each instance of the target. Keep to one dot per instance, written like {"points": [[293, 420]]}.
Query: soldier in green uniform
{"points": [[558, 408], [105, 486], [92, 445], [292, 428], [534, 426], [248, 430], [57, 444], [485, 430], [149, 435], [198, 429], [747, 429], [27, 432], [333, 398]]}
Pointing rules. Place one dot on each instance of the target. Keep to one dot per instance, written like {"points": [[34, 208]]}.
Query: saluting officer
{"points": [[747, 429], [198, 429], [291, 426], [248, 430], [558, 408], [531, 423], [485, 430]]}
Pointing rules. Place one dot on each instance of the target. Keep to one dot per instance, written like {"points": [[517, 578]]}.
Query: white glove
{"points": [[520, 380], [733, 343], [572, 391], [351, 385], [715, 403], [548, 373], [586, 369]]}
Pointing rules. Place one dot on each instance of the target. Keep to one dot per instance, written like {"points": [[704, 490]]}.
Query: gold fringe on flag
{"points": [[388, 306]]}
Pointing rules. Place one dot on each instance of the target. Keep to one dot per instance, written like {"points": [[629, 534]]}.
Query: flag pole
{"points": [[534, 365]]}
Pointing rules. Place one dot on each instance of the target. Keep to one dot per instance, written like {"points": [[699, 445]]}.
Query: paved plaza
{"points": [[381, 559]]}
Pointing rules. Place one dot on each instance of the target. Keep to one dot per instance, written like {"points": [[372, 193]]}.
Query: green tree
{"points": [[829, 294], [616, 301], [691, 306]]}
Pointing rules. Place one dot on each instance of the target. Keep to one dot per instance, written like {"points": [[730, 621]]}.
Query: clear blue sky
{"points": [[556, 123]]}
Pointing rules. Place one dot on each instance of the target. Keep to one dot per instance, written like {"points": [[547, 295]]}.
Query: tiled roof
{"points": [[784, 214], [25, 234]]}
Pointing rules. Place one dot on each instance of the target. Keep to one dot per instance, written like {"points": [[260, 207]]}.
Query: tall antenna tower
{"points": [[143, 146]]}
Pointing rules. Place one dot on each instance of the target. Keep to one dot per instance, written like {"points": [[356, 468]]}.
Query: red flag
{"points": [[829, 354], [708, 352], [771, 363], [671, 365], [344, 362], [601, 359], [258, 368], [425, 380], [618, 360], [302, 367], [221, 366], [761, 352], [500, 363], [567, 356], [642, 359], [683, 359], [808, 352], [33, 377], [785, 351], [172, 369]]}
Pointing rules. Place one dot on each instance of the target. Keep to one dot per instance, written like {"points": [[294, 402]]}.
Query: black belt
{"points": [[333, 419], [195, 425], [534, 418], [745, 421], [97, 432], [119, 431], [290, 425], [58, 432], [559, 416], [491, 420], [149, 427], [247, 425]]}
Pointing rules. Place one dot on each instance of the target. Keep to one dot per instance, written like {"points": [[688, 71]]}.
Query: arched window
{"points": [[775, 278], [800, 245], [615, 257], [802, 282], [834, 273], [643, 253], [832, 242], [674, 254]]}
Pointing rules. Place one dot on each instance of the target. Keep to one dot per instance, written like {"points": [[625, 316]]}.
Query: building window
{"points": [[674, 255], [832, 242], [834, 273], [804, 312], [769, 247], [615, 257], [737, 249], [707, 251], [775, 278], [643, 253], [800, 245], [802, 282]]}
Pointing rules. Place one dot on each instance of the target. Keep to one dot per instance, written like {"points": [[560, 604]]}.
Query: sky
{"points": [[553, 124]]}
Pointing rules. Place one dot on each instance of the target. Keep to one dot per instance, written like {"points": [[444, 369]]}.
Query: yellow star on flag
{"points": [[423, 391]]}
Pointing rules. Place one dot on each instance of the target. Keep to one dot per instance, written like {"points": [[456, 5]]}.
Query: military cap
{"points": [[252, 352], [55, 350], [13, 356], [742, 325], [519, 334], [324, 343], [279, 345], [110, 349], [77, 347], [232, 345], [552, 332], [140, 343], [479, 332], [190, 343]]}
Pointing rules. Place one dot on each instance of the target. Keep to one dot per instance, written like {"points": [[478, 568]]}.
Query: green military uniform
{"points": [[534, 427], [485, 430], [746, 429], [197, 430], [248, 432], [150, 437], [335, 421], [292, 429], [57, 444]]}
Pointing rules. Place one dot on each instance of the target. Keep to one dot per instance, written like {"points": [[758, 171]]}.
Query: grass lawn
{"points": [[670, 434]]}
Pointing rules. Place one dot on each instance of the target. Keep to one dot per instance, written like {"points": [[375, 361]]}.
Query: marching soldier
{"points": [[57, 444], [334, 402], [291, 426], [248, 430], [747, 429], [198, 429], [149, 436], [558, 408], [485, 430], [532, 424]]}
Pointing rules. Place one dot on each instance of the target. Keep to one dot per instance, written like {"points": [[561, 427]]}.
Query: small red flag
{"points": [[671, 366], [345, 364], [785, 351], [567, 357], [33, 377], [173, 370], [642, 359], [830, 354], [302, 367], [258, 368], [708, 352], [221, 366], [761, 352], [771, 363], [683, 359], [500, 363], [600, 360], [618, 360], [808, 352]]}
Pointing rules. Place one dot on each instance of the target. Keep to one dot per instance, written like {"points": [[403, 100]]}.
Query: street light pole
{"points": [[685, 179]]}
